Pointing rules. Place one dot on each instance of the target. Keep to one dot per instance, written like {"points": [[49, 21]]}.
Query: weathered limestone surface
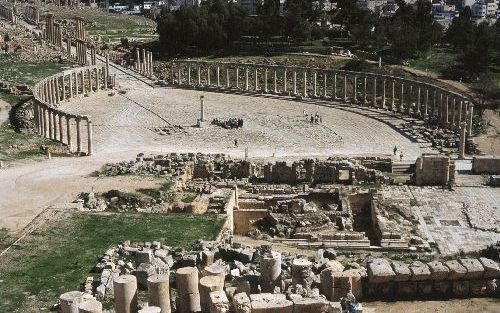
{"points": [[380, 271]]}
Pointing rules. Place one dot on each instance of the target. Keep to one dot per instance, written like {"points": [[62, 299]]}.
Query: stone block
{"points": [[419, 271], [144, 256], [271, 303], [425, 288], [457, 270], [474, 268], [356, 281], [491, 268], [219, 302], [308, 305], [478, 287], [401, 270], [406, 289], [380, 271], [334, 307], [143, 272], [460, 288], [438, 270], [342, 280], [442, 288], [241, 303]]}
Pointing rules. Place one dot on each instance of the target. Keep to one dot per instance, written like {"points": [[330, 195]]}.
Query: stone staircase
{"points": [[403, 167]]}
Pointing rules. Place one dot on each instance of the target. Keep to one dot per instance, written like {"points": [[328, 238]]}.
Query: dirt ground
{"points": [[489, 143], [484, 305]]}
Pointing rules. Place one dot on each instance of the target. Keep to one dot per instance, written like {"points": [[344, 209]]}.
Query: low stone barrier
{"points": [[467, 277], [489, 164]]}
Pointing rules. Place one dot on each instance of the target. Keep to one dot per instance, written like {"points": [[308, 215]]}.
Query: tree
{"points": [[297, 27]]}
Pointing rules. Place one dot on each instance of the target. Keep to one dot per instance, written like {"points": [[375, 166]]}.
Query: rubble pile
{"points": [[224, 276]]}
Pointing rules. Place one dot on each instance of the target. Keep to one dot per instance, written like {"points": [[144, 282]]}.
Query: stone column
{"points": [[426, 103], [301, 270], [143, 64], [275, 81], [418, 100], [76, 84], [315, 84], [246, 79], [189, 74], [68, 46], [461, 146], [78, 135], [355, 90], [402, 96], [68, 132], [69, 301], [265, 80], [285, 82], [207, 285], [137, 60], [228, 78], [46, 123], [61, 130], [256, 79], [51, 136], [393, 98], [471, 114], [218, 76], [187, 290], [305, 84], [202, 108], [89, 138], [335, 85], [54, 123], [179, 74], [294, 83], [446, 119], [58, 90], [237, 77], [125, 292], [106, 72], [460, 110], [384, 99], [365, 90], [325, 84], [453, 112], [208, 76], [90, 306], [159, 292], [199, 75], [375, 91], [270, 269], [345, 88]]}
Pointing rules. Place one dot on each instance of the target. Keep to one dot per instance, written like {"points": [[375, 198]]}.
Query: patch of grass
{"points": [[28, 73], [10, 98], [189, 198], [437, 60], [58, 257], [3, 233]]}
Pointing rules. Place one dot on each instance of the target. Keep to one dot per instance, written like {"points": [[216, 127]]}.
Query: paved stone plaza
{"points": [[442, 217], [271, 125]]}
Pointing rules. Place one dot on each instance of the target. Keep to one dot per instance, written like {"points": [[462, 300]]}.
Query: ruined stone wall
{"points": [[486, 165], [434, 170], [467, 277], [243, 219]]}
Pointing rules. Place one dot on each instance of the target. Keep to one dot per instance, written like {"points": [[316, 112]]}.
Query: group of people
{"points": [[314, 119], [231, 123], [395, 150]]}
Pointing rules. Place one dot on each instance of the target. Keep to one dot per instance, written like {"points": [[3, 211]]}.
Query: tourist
{"points": [[395, 150], [401, 156], [236, 143], [312, 119]]}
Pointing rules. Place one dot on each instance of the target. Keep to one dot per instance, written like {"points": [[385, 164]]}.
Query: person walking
{"points": [[401, 156], [236, 143], [395, 150]]}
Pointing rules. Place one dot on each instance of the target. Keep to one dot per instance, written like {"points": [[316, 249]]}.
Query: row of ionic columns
{"points": [[81, 52], [144, 62], [57, 125], [32, 14], [53, 31], [80, 32], [8, 13], [365, 89]]}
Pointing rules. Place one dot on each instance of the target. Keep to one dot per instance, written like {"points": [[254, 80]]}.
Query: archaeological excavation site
{"points": [[136, 180]]}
